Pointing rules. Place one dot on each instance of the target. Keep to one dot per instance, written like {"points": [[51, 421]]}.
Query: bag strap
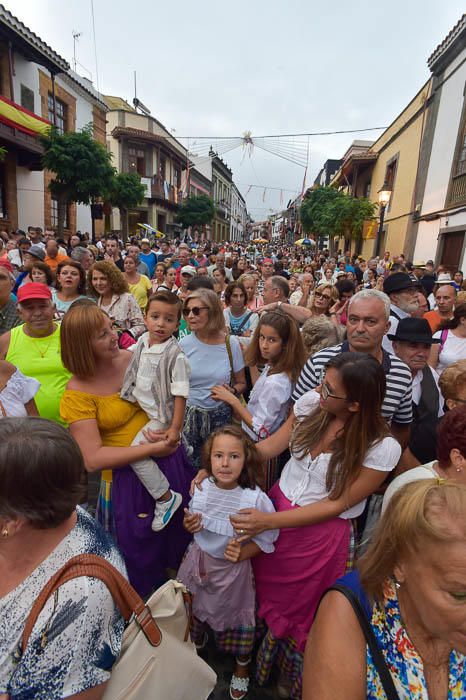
{"points": [[377, 655], [125, 597], [243, 322], [230, 359], [443, 339]]}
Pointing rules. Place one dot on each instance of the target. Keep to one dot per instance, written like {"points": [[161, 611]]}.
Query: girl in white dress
{"points": [[217, 567], [277, 343]]}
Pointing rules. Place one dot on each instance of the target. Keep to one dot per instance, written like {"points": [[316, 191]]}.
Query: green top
{"points": [[41, 358]]}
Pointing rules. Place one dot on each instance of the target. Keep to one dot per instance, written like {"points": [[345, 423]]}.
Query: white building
{"points": [[238, 221], [439, 202]]}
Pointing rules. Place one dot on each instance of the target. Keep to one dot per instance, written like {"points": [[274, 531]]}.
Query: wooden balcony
{"points": [[165, 193], [457, 193]]}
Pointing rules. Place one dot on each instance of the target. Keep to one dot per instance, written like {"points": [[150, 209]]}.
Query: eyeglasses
{"points": [[319, 295], [460, 400], [194, 310], [326, 393]]}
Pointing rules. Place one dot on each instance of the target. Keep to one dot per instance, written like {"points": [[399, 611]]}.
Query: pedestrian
{"points": [[319, 332], [239, 320], [410, 588], [16, 392], [451, 341], [404, 301], [77, 637], [9, 317], [445, 298], [217, 567], [254, 300], [341, 452], [453, 384], [104, 426], [215, 359], [70, 286], [41, 272], [34, 348], [277, 344], [139, 285], [157, 378]]}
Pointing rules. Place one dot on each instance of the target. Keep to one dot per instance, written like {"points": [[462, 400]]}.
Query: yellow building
{"points": [[390, 162]]}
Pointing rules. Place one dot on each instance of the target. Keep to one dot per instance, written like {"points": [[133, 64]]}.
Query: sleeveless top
{"points": [[402, 659], [40, 358]]}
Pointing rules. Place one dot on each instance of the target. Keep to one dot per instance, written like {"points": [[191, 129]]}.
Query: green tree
{"points": [[196, 211], [82, 168], [126, 192], [326, 211]]}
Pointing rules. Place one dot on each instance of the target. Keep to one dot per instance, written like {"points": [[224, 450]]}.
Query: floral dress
{"points": [[402, 658]]}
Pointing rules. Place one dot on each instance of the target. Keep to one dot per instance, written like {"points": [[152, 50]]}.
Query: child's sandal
{"points": [[239, 686]]}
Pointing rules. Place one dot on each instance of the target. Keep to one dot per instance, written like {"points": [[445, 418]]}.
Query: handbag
{"points": [[157, 656], [377, 655], [232, 375]]}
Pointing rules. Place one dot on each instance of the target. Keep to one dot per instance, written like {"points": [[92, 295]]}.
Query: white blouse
{"points": [[18, 390], [453, 349], [268, 404], [303, 480], [216, 505]]}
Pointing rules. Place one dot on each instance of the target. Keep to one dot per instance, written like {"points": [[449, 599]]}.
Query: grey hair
{"points": [[372, 294], [319, 332], [78, 253]]}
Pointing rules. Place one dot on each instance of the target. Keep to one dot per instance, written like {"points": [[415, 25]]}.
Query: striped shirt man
{"points": [[397, 404]]}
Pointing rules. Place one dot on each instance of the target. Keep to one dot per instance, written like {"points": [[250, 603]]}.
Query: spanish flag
{"points": [[22, 119]]}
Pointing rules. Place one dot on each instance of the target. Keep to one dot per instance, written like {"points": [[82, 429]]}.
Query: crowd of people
{"points": [[279, 427]]}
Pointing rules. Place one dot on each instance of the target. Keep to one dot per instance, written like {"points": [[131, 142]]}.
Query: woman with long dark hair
{"points": [[341, 452], [452, 336]]}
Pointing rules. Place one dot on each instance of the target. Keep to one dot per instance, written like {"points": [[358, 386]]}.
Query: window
{"points": [[177, 177], [60, 112], [27, 98], [163, 168], [461, 166], [137, 160], [54, 214], [456, 194]]}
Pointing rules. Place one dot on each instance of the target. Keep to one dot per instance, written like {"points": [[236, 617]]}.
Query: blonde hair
{"points": [[453, 379], [421, 512], [320, 332], [77, 329], [216, 320], [333, 294]]}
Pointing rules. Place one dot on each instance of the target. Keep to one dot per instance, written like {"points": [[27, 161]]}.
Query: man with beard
{"points": [[403, 294]]}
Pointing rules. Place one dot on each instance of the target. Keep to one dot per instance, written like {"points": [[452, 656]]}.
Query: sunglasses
{"points": [[319, 295], [194, 310]]}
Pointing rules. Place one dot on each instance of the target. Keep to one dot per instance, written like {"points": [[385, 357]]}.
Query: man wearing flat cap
{"points": [[412, 343], [403, 293]]}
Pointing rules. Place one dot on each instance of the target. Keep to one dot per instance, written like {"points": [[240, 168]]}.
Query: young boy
{"points": [[158, 379]]}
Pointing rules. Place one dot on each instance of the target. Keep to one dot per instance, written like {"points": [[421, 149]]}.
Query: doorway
{"points": [[452, 250]]}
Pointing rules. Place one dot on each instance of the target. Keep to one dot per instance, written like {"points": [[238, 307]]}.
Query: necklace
{"points": [[43, 353]]}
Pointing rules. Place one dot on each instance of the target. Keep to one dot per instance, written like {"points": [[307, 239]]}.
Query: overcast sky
{"points": [[270, 67]]}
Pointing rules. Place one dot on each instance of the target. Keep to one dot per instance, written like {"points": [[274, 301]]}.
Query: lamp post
{"points": [[384, 197]]}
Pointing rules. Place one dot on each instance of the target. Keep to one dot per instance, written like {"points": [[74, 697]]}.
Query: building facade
{"points": [[438, 230], [221, 194], [140, 144], [238, 221]]}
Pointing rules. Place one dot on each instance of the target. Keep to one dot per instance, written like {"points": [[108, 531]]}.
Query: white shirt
{"points": [[148, 361], [303, 479], [453, 349], [394, 321], [18, 390], [269, 403], [417, 388]]}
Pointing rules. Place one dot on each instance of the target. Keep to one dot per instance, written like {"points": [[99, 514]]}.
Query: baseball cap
{"points": [[37, 252], [188, 270], [33, 290]]}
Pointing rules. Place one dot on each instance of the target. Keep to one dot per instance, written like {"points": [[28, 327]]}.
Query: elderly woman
{"points": [[108, 284], [452, 384], [318, 332], [215, 359], [77, 637], [410, 591], [71, 286], [104, 426]]}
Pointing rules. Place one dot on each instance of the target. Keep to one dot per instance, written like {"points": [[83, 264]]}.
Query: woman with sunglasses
{"points": [[341, 452], [215, 359]]}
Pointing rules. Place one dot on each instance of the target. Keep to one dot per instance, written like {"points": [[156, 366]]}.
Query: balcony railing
{"points": [[161, 189], [457, 190]]}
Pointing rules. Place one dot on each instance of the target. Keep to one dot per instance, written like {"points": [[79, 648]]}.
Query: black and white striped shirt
{"points": [[397, 404]]}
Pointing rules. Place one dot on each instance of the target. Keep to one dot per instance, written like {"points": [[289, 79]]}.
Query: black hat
{"points": [[397, 282], [413, 330]]}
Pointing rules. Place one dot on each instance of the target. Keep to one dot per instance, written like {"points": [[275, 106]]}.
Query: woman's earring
{"points": [[5, 532], [458, 469]]}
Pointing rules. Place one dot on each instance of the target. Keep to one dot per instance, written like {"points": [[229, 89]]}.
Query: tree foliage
{"points": [[126, 192], [326, 211], [196, 211], [82, 168]]}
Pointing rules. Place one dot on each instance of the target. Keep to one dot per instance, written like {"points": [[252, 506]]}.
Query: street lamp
{"points": [[384, 197]]}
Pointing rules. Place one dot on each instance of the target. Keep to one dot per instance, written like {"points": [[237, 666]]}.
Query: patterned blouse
{"points": [[125, 312], [402, 658]]}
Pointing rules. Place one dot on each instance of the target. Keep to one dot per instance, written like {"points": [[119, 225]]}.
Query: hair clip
{"points": [[440, 481]]}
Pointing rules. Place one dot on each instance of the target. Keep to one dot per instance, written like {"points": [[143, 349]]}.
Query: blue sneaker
{"points": [[165, 510]]}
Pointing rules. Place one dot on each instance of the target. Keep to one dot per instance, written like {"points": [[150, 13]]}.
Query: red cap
{"points": [[33, 290], [266, 260], [4, 262]]}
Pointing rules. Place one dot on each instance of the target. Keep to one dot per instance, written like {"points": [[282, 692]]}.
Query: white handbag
{"points": [[158, 659]]}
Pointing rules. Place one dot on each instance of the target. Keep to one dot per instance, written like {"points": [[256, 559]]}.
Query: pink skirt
{"points": [[291, 581], [223, 592]]}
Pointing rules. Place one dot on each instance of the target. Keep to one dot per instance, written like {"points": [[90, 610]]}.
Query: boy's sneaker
{"points": [[165, 510]]}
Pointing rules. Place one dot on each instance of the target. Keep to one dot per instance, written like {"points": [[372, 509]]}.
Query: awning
{"points": [[22, 119]]}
